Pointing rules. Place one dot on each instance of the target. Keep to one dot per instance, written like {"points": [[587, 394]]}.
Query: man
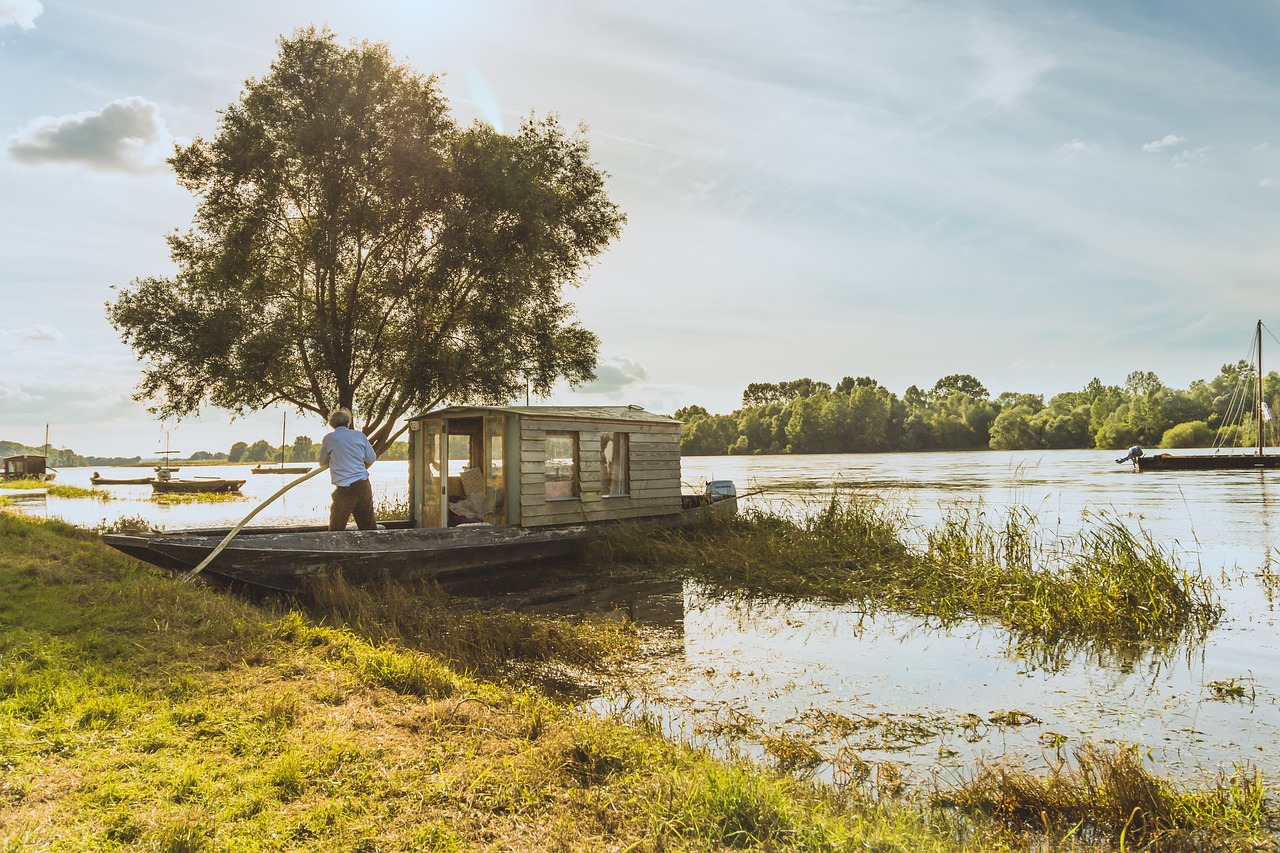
{"points": [[348, 454]]}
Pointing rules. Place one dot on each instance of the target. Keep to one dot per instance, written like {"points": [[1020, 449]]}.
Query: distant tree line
{"points": [[958, 413], [303, 450], [61, 457]]}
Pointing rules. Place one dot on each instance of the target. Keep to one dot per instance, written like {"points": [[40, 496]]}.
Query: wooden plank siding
{"points": [[653, 460], [653, 473]]}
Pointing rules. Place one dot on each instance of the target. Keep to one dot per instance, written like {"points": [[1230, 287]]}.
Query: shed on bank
{"points": [[534, 466], [25, 468]]}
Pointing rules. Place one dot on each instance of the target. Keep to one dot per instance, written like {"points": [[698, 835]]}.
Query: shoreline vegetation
{"points": [[1106, 590], [859, 415], [140, 712]]}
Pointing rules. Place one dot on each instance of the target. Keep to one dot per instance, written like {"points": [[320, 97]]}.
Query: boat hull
{"points": [[276, 469], [195, 486], [1174, 462], [108, 481], [288, 558]]}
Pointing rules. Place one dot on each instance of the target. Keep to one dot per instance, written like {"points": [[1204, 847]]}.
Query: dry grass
{"points": [[1107, 796]]}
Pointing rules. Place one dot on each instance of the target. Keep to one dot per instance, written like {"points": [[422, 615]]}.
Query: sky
{"points": [[1034, 193]]}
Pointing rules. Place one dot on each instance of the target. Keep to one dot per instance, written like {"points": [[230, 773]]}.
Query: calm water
{"points": [[770, 667]]}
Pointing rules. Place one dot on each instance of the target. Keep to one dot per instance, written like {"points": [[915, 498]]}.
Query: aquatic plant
{"points": [[1106, 588], [1106, 795], [197, 497], [57, 490], [391, 507]]}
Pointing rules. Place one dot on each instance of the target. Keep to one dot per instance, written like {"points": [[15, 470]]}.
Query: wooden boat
{"points": [[280, 467], [287, 558], [532, 483], [195, 486], [98, 480], [1221, 460]]}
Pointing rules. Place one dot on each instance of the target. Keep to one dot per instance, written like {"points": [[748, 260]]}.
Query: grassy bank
{"points": [[1106, 588], [57, 491], [140, 713]]}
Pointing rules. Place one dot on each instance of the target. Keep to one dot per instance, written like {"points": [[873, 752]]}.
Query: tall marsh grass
{"points": [[1107, 587], [1105, 795]]}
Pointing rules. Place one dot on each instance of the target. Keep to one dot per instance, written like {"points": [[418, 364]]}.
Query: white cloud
{"points": [[1076, 146], [1184, 159], [1268, 183], [35, 333], [14, 393], [1161, 144], [127, 135], [614, 374], [20, 12]]}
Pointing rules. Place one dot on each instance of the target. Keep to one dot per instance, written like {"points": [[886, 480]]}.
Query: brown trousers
{"points": [[355, 499]]}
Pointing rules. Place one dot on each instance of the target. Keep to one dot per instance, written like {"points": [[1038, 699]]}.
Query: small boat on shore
{"points": [[280, 467], [526, 484], [195, 486], [98, 480]]}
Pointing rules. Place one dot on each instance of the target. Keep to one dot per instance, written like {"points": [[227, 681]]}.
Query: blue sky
{"points": [[1033, 193]]}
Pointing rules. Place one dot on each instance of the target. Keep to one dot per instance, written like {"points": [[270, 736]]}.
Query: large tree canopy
{"points": [[353, 246]]}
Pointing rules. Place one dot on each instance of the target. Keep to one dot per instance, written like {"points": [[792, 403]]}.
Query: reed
{"points": [[1105, 795], [391, 507], [1106, 588]]}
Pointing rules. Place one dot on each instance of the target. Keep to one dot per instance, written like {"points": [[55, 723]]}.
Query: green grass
{"points": [[1107, 588], [57, 491], [137, 712], [197, 497]]}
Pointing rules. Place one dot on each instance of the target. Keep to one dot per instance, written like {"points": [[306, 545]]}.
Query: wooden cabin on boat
{"points": [[538, 466], [25, 468]]}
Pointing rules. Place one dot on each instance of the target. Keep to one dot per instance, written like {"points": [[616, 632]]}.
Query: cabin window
{"points": [[561, 465], [615, 476]]}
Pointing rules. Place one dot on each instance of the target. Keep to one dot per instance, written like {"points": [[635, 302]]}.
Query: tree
{"points": [[303, 450], [962, 382], [353, 247], [260, 451], [238, 451]]}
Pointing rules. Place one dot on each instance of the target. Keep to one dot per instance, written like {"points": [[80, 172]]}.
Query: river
{"points": [[872, 691]]}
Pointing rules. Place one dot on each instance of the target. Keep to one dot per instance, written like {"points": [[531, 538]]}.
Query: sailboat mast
{"points": [[1258, 413], [283, 415]]}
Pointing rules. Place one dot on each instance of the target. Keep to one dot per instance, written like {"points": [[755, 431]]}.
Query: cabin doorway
{"points": [[471, 480]]}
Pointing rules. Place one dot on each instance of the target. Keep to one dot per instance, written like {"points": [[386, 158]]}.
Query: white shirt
{"points": [[348, 454]]}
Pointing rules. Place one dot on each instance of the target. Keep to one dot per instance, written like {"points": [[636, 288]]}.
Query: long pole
{"points": [[191, 575], [1258, 413], [226, 540]]}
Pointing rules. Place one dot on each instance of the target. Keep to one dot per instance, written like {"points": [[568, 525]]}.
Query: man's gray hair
{"points": [[340, 418]]}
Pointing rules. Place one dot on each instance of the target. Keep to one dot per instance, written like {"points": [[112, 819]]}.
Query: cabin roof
{"points": [[24, 458], [582, 413]]}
